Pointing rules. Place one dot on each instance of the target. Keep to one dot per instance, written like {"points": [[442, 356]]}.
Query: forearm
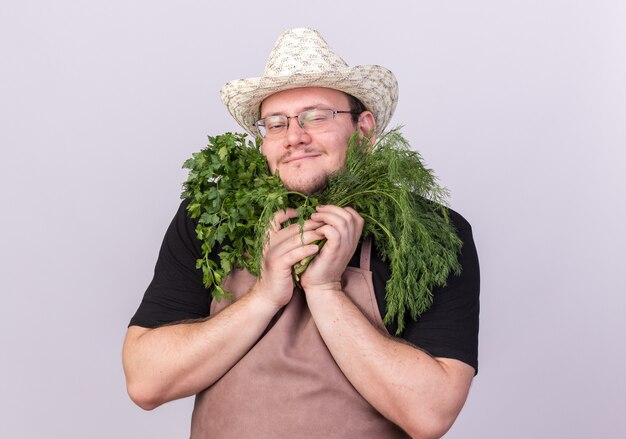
{"points": [[175, 361], [181, 360], [412, 389]]}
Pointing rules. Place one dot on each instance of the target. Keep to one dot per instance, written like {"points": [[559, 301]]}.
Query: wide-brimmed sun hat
{"points": [[302, 58]]}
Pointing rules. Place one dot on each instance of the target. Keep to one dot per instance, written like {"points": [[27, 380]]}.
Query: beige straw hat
{"points": [[302, 58]]}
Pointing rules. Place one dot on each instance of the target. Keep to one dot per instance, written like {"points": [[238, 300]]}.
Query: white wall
{"points": [[519, 106]]}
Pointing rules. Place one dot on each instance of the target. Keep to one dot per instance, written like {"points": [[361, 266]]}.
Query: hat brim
{"points": [[375, 86]]}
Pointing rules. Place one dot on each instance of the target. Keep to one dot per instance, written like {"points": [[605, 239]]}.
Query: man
{"points": [[279, 361]]}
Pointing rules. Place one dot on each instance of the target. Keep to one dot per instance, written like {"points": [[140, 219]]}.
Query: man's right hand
{"points": [[175, 361], [286, 246]]}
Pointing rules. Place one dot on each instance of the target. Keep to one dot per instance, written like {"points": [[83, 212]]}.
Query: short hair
{"points": [[356, 107]]}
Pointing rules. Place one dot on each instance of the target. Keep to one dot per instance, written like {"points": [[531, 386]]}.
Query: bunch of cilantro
{"points": [[233, 196]]}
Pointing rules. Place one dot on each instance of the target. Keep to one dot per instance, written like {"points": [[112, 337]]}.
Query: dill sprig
{"points": [[234, 196]]}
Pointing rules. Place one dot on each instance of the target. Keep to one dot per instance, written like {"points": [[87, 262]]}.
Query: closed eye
{"points": [[275, 123]]}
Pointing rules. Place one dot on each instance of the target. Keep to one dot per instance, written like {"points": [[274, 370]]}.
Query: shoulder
{"points": [[458, 220], [449, 328]]}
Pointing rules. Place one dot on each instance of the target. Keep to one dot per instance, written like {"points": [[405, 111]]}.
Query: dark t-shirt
{"points": [[448, 329]]}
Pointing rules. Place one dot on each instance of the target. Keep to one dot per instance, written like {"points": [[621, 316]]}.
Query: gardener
{"points": [[280, 361]]}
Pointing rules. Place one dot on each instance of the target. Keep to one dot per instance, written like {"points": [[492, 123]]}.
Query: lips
{"points": [[297, 158]]}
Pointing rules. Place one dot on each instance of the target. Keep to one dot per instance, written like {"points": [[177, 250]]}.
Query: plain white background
{"points": [[519, 106]]}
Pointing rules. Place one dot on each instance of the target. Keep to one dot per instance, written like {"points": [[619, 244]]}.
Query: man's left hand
{"points": [[341, 227]]}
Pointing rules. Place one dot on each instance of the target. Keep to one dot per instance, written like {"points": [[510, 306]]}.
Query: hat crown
{"points": [[302, 50], [302, 58]]}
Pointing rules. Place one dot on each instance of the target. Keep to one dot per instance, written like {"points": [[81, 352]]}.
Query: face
{"points": [[304, 159]]}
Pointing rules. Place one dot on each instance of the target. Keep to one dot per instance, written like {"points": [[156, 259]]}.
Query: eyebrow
{"points": [[307, 108]]}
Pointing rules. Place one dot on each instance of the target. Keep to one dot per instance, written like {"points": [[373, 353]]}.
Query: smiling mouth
{"points": [[300, 158]]}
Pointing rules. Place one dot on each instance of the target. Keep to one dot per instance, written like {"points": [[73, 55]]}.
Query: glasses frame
{"points": [[261, 122]]}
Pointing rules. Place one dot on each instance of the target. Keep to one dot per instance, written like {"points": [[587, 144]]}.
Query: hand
{"points": [[285, 246], [342, 228]]}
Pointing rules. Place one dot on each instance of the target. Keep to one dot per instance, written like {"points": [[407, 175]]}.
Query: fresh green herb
{"points": [[234, 196], [230, 192]]}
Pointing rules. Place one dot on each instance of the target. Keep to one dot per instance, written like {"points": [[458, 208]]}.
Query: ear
{"points": [[367, 125]]}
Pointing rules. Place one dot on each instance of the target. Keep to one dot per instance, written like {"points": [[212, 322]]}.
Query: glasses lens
{"points": [[313, 118], [261, 128], [275, 126], [272, 126]]}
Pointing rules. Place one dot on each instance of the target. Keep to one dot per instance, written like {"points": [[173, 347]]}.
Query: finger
{"points": [[358, 220], [284, 246], [354, 214], [329, 208], [305, 226], [345, 219], [290, 237], [294, 233], [347, 213], [338, 219], [281, 216], [332, 235], [298, 254], [286, 257]]}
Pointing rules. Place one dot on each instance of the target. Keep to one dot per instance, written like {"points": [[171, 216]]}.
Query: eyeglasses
{"points": [[272, 127]]}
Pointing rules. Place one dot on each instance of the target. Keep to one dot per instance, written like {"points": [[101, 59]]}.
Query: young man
{"points": [[279, 361]]}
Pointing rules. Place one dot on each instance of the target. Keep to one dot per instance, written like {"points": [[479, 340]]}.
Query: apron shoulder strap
{"points": [[366, 253]]}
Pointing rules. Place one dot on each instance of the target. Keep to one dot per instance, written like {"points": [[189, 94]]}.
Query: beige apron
{"points": [[288, 385]]}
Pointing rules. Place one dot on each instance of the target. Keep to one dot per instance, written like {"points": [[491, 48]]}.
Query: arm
{"points": [[421, 394], [175, 361]]}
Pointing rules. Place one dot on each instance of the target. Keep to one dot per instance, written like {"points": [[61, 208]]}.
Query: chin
{"points": [[307, 186]]}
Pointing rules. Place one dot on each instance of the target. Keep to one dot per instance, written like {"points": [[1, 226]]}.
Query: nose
{"points": [[296, 135]]}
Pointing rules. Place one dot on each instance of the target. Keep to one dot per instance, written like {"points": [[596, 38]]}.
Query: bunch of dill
{"points": [[234, 196]]}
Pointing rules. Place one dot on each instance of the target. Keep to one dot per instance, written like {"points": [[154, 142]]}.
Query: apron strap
{"points": [[366, 253]]}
